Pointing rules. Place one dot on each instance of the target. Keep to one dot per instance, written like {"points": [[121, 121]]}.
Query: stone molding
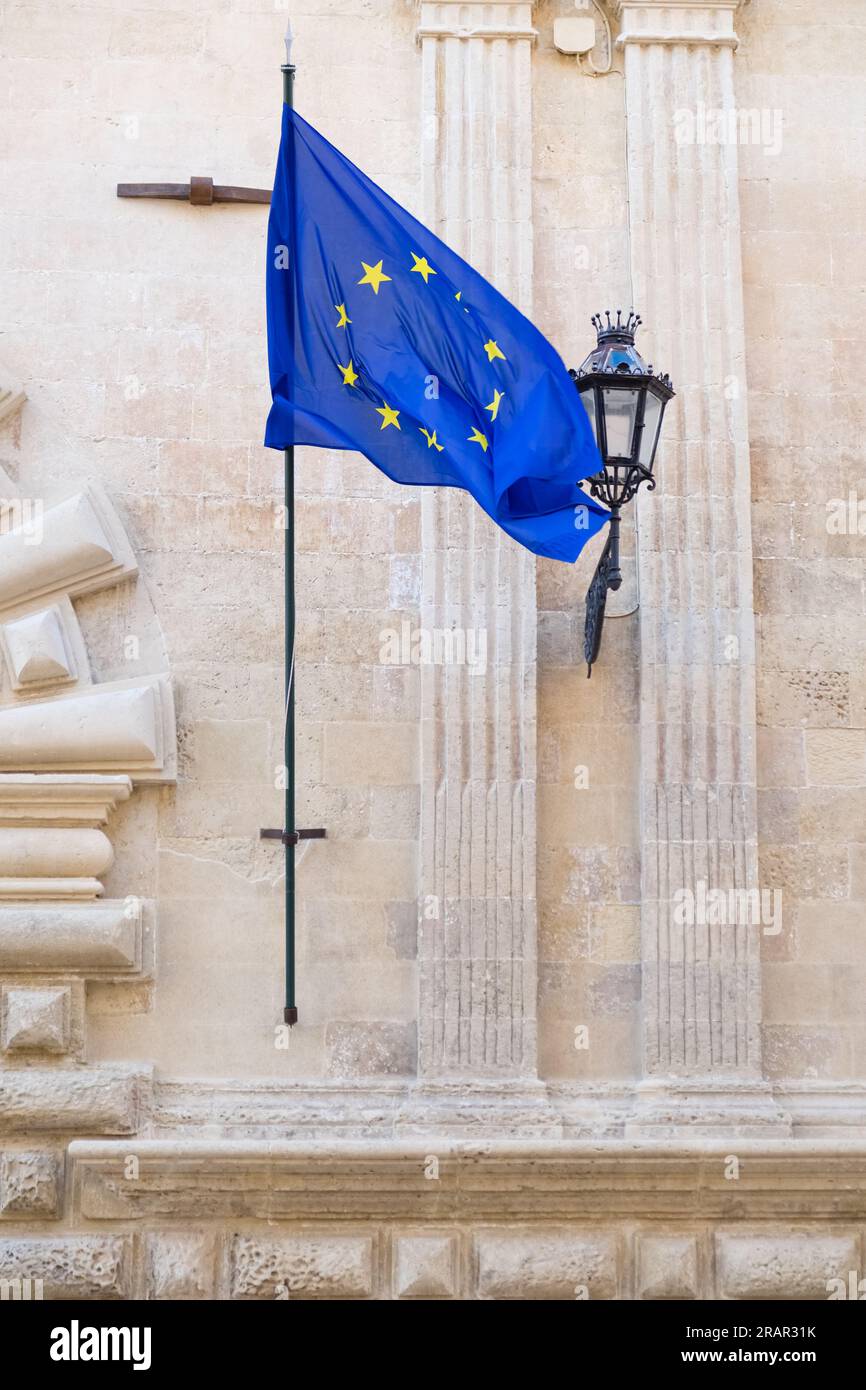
{"points": [[70, 750], [539, 1180], [117, 726], [74, 546], [391, 1110], [685, 22], [91, 939], [42, 855]]}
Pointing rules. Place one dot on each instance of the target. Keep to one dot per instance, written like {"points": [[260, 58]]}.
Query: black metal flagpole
{"points": [[290, 1013], [289, 835]]}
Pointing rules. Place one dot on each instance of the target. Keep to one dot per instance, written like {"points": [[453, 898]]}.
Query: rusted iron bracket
{"points": [[201, 192]]}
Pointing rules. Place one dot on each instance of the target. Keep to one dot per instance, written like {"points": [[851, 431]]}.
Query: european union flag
{"points": [[382, 340]]}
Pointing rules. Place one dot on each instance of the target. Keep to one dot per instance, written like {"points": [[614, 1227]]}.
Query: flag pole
{"points": [[289, 835], [290, 1012]]}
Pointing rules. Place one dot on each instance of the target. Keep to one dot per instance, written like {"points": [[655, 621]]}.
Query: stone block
{"points": [[119, 726], [29, 1184], [783, 1266], [180, 1265], [425, 1266], [36, 649], [667, 1267], [94, 938], [34, 1019], [303, 1266], [546, 1264], [96, 1100], [73, 1267], [836, 756], [370, 1049]]}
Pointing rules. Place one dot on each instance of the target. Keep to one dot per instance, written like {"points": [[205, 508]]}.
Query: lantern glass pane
{"points": [[651, 424], [587, 395], [620, 412]]}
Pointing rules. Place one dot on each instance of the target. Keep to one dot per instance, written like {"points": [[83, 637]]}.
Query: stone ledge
{"points": [[447, 1181], [382, 1109]]}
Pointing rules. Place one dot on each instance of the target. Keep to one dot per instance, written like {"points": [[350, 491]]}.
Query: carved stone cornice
{"points": [[688, 22], [538, 1180], [479, 19]]}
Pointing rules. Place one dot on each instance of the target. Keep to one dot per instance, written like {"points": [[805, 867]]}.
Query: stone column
{"points": [[477, 1017], [701, 978]]}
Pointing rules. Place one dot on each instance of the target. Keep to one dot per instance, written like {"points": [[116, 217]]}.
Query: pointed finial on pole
{"points": [[289, 39]]}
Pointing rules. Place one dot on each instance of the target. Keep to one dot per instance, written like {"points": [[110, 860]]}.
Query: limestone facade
{"points": [[529, 1062]]}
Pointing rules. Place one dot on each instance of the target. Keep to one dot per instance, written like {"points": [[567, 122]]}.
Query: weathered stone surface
{"points": [[180, 1265], [546, 1264], [783, 1266], [100, 1100], [80, 1266], [425, 1266], [667, 1267], [29, 1183], [302, 1267], [370, 1049]]}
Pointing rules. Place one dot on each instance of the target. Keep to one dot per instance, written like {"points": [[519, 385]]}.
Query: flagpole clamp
{"points": [[291, 837]]}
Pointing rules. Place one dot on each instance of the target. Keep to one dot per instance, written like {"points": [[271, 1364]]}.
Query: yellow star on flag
{"points": [[493, 407], [493, 350], [373, 276], [350, 376], [422, 266], [344, 317], [389, 416], [476, 437], [432, 441]]}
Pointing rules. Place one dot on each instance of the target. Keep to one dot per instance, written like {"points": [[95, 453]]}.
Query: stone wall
{"points": [[512, 1077], [804, 282]]}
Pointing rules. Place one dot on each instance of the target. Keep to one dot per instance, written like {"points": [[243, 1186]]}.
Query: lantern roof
{"points": [[616, 354]]}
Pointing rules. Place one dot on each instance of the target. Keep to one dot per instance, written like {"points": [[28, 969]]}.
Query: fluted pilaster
{"points": [[701, 979], [478, 927]]}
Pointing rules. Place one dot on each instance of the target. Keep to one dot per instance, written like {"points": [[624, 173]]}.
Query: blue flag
{"points": [[382, 340]]}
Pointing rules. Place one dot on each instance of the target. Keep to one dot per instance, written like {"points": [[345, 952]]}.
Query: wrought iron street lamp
{"points": [[625, 401]]}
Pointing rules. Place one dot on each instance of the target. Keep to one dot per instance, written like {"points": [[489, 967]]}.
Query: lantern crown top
{"points": [[615, 353], [624, 331]]}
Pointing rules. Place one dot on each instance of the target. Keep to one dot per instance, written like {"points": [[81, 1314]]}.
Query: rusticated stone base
{"points": [[538, 1219], [561, 1262]]}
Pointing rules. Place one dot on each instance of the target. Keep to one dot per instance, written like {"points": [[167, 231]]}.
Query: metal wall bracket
{"points": [[201, 192]]}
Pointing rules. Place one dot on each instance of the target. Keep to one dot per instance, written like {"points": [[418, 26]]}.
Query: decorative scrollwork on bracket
{"points": [[596, 602]]}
